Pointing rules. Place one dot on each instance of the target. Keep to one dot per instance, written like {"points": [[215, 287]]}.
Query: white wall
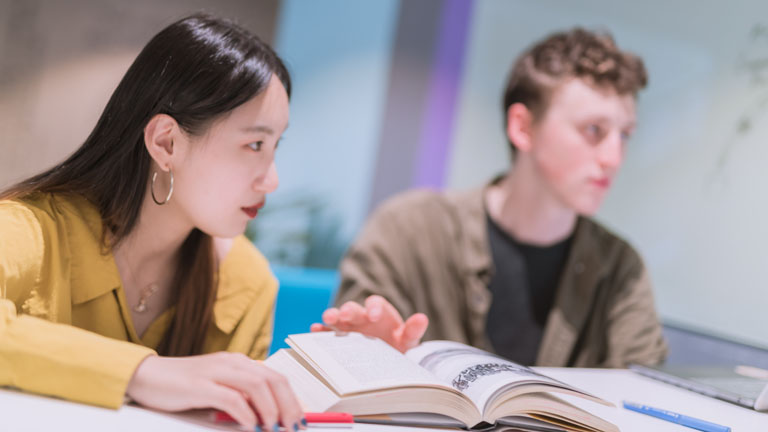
{"points": [[338, 53], [690, 195]]}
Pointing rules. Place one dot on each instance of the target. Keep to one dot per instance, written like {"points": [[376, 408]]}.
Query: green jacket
{"points": [[428, 252]]}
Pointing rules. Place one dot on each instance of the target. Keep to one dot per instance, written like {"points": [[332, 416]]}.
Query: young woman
{"points": [[123, 271]]}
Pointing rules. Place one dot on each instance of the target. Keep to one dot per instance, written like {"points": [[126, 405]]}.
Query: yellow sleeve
{"points": [[64, 361], [43, 357], [21, 250]]}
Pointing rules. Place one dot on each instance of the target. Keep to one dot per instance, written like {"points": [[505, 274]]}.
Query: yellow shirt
{"points": [[73, 336]]}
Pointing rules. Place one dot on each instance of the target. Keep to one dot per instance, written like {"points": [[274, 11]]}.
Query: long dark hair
{"points": [[194, 70]]}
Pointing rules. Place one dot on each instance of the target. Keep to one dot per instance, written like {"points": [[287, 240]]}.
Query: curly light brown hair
{"points": [[577, 53]]}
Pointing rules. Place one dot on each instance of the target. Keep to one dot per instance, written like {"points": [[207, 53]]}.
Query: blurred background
{"points": [[395, 94]]}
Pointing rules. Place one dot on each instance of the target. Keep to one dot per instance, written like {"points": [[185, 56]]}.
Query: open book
{"points": [[438, 383]]}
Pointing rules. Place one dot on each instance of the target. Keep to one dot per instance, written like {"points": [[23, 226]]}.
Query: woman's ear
{"points": [[158, 138], [519, 125]]}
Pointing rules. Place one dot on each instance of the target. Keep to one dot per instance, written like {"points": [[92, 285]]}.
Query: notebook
{"points": [[742, 385]]}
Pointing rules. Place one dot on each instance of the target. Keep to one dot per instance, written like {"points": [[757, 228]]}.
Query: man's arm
{"points": [[377, 264], [634, 331], [375, 273]]}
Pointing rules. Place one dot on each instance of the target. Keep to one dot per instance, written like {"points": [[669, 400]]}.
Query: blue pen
{"points": [[680, 419]]}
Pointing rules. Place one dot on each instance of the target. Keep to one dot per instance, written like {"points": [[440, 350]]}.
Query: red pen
{"points": [[325, 419]]}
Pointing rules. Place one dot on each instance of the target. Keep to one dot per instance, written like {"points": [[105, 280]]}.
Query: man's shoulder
{"points": [[611, 248], [429, 203], [414, 200], [427, 215]]}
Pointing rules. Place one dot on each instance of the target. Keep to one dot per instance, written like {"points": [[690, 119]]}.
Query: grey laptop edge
{"points": [[718, 382]]}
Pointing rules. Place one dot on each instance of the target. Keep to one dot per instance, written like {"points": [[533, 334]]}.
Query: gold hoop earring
{"points": [[170, 190]]}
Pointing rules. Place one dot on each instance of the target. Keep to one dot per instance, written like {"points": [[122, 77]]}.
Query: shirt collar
{"points": [[236, 292], [93, 271]]}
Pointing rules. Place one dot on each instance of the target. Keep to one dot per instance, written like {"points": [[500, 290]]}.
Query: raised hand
{"points": [[250, 392], [377, 318]]}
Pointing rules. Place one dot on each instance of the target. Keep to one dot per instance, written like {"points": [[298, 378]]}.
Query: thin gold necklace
{"points": [[145, 294]]}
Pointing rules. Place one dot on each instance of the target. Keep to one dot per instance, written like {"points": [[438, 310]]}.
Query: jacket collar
{"points": [[475, 246], [476, 260], [575, 295]]}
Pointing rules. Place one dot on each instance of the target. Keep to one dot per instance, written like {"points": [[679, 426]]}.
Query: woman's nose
{"points": [[269, 181]]}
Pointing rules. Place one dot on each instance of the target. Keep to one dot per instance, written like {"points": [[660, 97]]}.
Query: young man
{"points": [[518, 267]]}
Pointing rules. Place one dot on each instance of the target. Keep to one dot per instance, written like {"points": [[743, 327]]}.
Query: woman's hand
{"points": [[250, 392], [377, 318]]}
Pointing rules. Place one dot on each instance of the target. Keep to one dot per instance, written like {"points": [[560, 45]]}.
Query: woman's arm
{"points": [[60, 360], [40, 356]]}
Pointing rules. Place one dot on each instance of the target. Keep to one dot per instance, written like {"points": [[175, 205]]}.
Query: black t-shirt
{"points": [[523, 288]]}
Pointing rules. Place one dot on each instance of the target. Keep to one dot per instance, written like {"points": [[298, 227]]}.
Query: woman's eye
{"points": [[256, 146]]}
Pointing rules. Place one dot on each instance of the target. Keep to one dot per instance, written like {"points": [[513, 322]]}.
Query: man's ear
{"points": [[158, 138], [519, 125]]}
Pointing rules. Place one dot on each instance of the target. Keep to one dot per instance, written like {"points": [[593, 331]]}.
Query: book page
{"points": [[311, 391], [355, 363], [478, 374]]}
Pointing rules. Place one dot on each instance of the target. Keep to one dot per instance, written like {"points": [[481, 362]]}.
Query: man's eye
{"points": [[594, 133], [256, 146]]}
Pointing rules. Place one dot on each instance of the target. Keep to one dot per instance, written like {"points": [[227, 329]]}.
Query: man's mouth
{"points": [[603, 182]]}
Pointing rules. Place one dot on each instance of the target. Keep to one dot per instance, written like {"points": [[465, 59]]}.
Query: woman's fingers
{"points": [[258, 390], [230, 401], [243, 376], [291, 414], [245, 389], [270, 393]]}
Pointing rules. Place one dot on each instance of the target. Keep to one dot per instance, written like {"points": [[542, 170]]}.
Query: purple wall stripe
{"points": [[410, 77], [437, 126]]}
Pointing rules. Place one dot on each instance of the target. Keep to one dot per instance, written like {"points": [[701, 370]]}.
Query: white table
{"points": [[616, 385], [21, 412]]}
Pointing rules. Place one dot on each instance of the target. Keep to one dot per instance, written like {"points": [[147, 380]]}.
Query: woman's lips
{"points": [[253, 210]]}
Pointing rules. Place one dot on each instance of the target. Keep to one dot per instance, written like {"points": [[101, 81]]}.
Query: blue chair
{"points": [[303, 296]]}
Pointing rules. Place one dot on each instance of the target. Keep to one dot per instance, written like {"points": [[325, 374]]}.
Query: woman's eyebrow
{"points": [[259, 128]]}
